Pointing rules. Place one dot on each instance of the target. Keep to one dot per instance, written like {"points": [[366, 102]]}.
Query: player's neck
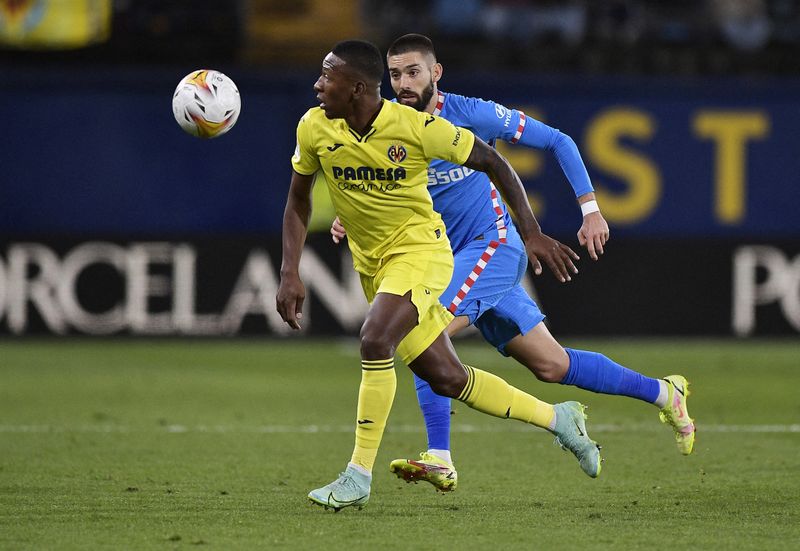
{"points": [[431, 107], [364, 114]]}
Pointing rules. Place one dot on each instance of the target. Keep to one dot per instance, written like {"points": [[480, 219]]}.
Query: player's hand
{"points": [[593, 234], [558, 257], [337, 231], [289, 301]]}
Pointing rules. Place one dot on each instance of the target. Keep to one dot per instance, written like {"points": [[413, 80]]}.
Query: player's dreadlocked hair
{"points": [[412, 43], [362, 56]]}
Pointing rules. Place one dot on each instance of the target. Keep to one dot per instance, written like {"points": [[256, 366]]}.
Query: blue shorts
{"points": [[486, 288]]}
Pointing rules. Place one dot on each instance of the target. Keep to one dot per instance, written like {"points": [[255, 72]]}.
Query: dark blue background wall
{"points": [[98, 153]]}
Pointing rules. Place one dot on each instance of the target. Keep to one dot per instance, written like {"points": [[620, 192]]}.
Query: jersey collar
{"points": [[373, 127], [439, 104]]}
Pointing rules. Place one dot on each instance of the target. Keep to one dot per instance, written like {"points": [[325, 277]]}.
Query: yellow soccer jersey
{"points": [[378, 181]]}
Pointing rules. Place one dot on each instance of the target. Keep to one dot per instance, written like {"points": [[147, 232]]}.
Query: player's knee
{"points": [[376, 346], [548, 370], [449, 383], [449, 389]]}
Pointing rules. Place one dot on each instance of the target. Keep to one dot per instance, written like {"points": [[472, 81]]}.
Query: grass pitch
{"points": [[215, 444]]}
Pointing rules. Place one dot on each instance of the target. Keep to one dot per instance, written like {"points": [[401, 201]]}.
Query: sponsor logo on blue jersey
{"points": [[454, 174], [502, 112]]}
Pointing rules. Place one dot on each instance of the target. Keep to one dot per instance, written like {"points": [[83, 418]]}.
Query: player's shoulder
{"points": [[458, 101], [313, 116], [407, 119], [403, 111], [469, 111]]}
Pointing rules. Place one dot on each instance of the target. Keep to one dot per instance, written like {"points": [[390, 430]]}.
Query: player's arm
{"points": [[291, 292], [594, 231], [491, 117], [540, 247]]}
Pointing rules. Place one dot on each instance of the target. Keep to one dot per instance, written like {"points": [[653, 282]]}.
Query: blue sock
{"points": [[595, 372], [436, 412]]}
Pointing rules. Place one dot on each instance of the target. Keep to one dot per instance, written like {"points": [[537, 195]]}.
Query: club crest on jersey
{"points": [[397, 153]]}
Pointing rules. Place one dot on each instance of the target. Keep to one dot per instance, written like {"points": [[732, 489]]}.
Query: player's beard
{"points": [[422, 100]]}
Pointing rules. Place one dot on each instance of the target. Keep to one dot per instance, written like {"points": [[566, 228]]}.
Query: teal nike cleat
{"points": [[351, 489], [571, 435]]}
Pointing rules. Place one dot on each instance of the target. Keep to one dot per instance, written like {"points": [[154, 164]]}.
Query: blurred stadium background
{"points": [[114, 223]]}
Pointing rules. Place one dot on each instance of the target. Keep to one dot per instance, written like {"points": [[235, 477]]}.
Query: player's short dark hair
{"points": [[362, 56], [412, 43]]}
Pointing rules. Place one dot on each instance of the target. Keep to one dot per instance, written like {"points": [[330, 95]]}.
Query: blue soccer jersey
{"points": [[489, 255], [489, 258], [468, 202]]}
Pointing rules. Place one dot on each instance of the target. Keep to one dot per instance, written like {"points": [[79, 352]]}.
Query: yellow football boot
{"points": [[676, 414]]}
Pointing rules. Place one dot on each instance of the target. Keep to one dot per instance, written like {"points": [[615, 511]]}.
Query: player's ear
{"points": [[359, 88], [436, 72]]}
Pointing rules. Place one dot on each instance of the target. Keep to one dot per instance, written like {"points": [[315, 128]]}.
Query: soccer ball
{"points": [[206, 103]]}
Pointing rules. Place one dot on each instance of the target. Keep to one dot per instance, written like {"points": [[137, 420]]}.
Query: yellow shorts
{"points": [[426, 274]]}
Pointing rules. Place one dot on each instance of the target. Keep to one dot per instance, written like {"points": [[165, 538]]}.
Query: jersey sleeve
{"points": [[493, 120], [541, 136], [305, 160], [441, 139]]}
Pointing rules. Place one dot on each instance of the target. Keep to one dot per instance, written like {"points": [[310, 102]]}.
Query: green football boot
{"points": [[351, 489], [676, 414], [430, 468], [571, 435]]}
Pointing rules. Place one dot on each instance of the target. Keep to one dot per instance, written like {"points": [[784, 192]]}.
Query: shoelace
{"points": [[346, 480], [580, 451]]}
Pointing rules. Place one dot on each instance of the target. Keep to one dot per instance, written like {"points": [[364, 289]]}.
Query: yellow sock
{"points": [[490, 394], [375, 397]]}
